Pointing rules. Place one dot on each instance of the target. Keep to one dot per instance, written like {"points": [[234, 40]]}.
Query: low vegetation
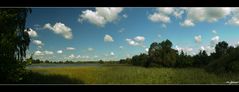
{"points": [[127, 74]]}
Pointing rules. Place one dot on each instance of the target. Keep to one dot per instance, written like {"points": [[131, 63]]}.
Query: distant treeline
{"points": [[224, 59], [38, 61]]}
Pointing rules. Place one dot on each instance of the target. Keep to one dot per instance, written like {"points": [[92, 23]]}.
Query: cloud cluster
{"points": [[38, 42], [187, 23], [194, 15], [186, 50], [210, 15], [32, 33], [108, 38], [136, 41], [101, 15], [208, 49], [39, 53], [162, 15], [60, 28], [214, 40]]}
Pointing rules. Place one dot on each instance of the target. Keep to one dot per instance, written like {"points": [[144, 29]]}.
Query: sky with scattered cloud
{"points": [[113, 33]]}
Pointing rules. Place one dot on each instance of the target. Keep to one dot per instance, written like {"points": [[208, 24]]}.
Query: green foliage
{"points": [[226, 63], [201, 59], [139, 60], [101, 62], [184, 60], [14, 42]]}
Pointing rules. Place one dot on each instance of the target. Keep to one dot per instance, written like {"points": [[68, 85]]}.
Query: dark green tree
{"points": [[14, 42]]}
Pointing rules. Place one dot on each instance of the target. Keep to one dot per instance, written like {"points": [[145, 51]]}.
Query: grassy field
{"points": [[125, 74]]}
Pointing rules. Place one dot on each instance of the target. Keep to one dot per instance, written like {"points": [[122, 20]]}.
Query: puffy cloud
{"points": [[198, 38], [166, 10], [59, 51], [187, 23], [108, 38], [208, 14], [32, 33], [37, 42], [43, 52], [187, 50], [178, 13], [158, 17], [202, 48], [163, 14], [208, 49], [146, 49], [70, 48], [136, 41], [48, 52], [234, 21], [214, 31], [90, 49], [214, 40], [60, 28], [101, 15], [139, 38], [72, 56], [38, 53], [132, 42], [112, 53]]}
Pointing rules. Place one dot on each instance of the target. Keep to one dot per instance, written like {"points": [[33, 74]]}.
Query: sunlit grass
{"points": [[125, 74]]}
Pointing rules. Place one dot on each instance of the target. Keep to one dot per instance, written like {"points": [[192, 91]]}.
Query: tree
{"points": [[184, 60], [14, 42], [201, 59], [101, 61], [221, 49]]}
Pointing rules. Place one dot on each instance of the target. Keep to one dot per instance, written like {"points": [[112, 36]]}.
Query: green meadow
{"points": [[126, 74]]}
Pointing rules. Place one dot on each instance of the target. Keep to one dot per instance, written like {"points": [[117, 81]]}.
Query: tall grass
{"points": [[124, 74]]}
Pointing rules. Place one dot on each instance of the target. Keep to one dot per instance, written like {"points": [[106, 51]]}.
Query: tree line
{"points": [[224, 59]]}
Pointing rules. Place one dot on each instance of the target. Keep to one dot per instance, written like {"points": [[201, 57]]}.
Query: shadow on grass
{"points": [[38, 78]]}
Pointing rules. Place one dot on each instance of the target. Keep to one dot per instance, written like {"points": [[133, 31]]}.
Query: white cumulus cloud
{"points": [[108, 38], [132, 42], [37, 42], [187, 23], [158, 17], [38, 53], [60, 28], [32, 33], [101, 15], [59, 51], [139, 38]]}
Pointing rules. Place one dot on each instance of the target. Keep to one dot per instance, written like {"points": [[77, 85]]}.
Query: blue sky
{"points": [[113, 33]]}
